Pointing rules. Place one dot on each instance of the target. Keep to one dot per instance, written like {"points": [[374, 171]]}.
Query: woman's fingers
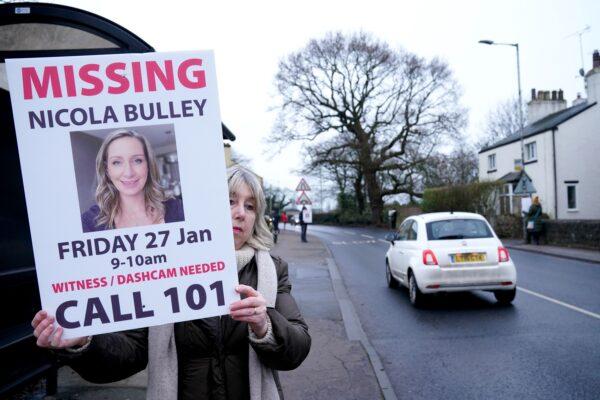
{"points": [[246, 290], [42, 326], [56, 338], [39, 317], [44, 336]]}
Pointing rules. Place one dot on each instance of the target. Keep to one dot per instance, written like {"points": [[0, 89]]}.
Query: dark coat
{"points": [[535, 214], [212, 352]]}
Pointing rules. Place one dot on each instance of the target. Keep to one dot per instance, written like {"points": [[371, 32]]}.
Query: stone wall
{"points": [[572, 233]]}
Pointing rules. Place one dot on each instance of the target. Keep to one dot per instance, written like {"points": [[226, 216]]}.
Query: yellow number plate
{"points": [[468, 257]]}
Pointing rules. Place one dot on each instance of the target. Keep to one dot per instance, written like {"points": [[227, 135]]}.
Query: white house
{"points": [[561, 151]]}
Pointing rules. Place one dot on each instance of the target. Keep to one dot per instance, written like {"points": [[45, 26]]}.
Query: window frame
{"points": [[491, 162], [531, 152], [569, 208]]}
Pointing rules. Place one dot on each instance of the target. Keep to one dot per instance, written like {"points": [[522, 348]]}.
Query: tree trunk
{"points": [[358, 194], [375, 198]]}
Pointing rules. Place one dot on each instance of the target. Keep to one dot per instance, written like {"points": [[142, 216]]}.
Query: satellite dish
{"points": [[581, 72]]}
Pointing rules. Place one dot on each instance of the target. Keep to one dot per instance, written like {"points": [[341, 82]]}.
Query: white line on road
{"points": [[367, 236], [561, 303], [384, 241]]}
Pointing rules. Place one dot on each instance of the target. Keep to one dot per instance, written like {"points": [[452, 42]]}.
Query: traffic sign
{"points": [[302, 186], [303, 199], [524, 186]]}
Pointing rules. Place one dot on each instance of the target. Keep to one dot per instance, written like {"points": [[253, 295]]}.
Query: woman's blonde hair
{"points": [[237, 176], [107, 195]]}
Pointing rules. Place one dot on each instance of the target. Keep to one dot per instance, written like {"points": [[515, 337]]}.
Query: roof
{"points": [[227, 134], [447, 215], [547, 123], [511, 177]]}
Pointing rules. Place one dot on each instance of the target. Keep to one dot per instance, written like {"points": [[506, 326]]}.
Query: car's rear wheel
{"points": [[505, 297], [391, 281], [417, 298]]}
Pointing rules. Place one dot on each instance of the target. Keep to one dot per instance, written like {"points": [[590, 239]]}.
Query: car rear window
{"points": [[458, 229]]}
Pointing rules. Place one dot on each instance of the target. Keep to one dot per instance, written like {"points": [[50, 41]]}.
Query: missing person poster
{"points": [[126, 189]]}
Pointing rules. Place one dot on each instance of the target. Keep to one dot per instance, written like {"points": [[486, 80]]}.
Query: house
{"points": [[561, 147]]}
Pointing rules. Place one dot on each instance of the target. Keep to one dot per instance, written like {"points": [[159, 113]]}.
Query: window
{"points": [[412, 232], [572, 197], [530, 151], [505, 199], [403, 230], [492, 162], [458, 229]]}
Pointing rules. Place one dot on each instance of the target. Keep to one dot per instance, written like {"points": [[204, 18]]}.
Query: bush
{"points": [[477, 197], [509, 226]]}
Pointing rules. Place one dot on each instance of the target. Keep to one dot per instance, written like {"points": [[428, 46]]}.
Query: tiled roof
{"points": [[548, 122], [511, 177]]}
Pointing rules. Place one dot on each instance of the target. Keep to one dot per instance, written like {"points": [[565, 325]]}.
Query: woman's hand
{"points": [[50, 338], [252, 309]]}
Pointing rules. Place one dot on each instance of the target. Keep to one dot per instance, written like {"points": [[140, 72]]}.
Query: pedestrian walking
{"points": [[284, 219], [534, 221], [235, 356], [393, 215], [303, 225], [276, 220]]}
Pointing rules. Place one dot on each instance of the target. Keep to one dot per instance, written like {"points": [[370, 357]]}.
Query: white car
{"points": [[449, 252]]}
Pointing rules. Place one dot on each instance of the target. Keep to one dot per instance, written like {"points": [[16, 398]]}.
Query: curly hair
{"points": [[107, 195]]}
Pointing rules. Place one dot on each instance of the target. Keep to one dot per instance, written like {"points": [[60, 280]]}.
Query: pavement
{"points": [[592, 256], [341, 364]]}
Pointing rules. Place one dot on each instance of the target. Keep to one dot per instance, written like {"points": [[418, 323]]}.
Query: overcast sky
{"points": [[249, 38]]}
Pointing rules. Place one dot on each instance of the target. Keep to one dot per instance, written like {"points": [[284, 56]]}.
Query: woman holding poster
{"points": [[230, 357], [128, 193]]}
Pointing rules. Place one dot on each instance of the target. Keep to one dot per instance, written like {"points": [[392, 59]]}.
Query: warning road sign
{"points": [[302, 186]]}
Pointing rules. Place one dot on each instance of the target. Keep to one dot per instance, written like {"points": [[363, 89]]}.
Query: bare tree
{"points": [[340, 168], [501, 122], [375, 102], [460, 167], [277, 198]]}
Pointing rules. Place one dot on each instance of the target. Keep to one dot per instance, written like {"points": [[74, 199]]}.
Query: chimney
{"points": [[579, 100], [544, 103], [592, 79]]}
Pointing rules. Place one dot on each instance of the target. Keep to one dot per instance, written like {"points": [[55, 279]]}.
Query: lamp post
{"points": [[521, 124]]}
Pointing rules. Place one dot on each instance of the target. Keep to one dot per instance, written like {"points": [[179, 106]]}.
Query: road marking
{"points": [[384, 241], [561, 303], [367, 236]]}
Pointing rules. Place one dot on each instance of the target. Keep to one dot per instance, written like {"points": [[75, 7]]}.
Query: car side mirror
{"points": [[391, 237]]}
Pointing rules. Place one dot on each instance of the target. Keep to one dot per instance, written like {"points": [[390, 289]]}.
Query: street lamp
{"points": [[516, 46]]}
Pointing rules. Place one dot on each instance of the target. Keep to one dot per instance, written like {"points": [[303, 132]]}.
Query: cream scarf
{"points": [[162, 353]]}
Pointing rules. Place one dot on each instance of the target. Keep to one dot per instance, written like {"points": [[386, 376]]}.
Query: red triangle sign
{"points": [[302, 186], [303, 199]]}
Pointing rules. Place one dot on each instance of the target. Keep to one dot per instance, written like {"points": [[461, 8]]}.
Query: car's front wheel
{"points": [[391, 281], [505, 297], [417, 298]]}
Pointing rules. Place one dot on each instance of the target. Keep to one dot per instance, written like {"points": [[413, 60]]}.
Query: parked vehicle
{"points": [[449, 252], [294, 219], [272, 228]]}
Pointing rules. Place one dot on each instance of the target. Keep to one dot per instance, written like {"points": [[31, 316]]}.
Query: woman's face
{"points": [[243, 215], [127, 166]]}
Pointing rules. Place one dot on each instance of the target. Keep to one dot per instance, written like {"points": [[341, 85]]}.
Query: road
{"points": [[465, 346]]}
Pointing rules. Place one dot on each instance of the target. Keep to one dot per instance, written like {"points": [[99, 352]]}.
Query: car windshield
{"points": [[458, 229]]}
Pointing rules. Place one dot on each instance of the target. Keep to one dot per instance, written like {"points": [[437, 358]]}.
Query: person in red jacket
{"points": [[284, 219]]}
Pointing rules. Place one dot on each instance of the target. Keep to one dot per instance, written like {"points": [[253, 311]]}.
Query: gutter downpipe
{"points": [[554, 167]]}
